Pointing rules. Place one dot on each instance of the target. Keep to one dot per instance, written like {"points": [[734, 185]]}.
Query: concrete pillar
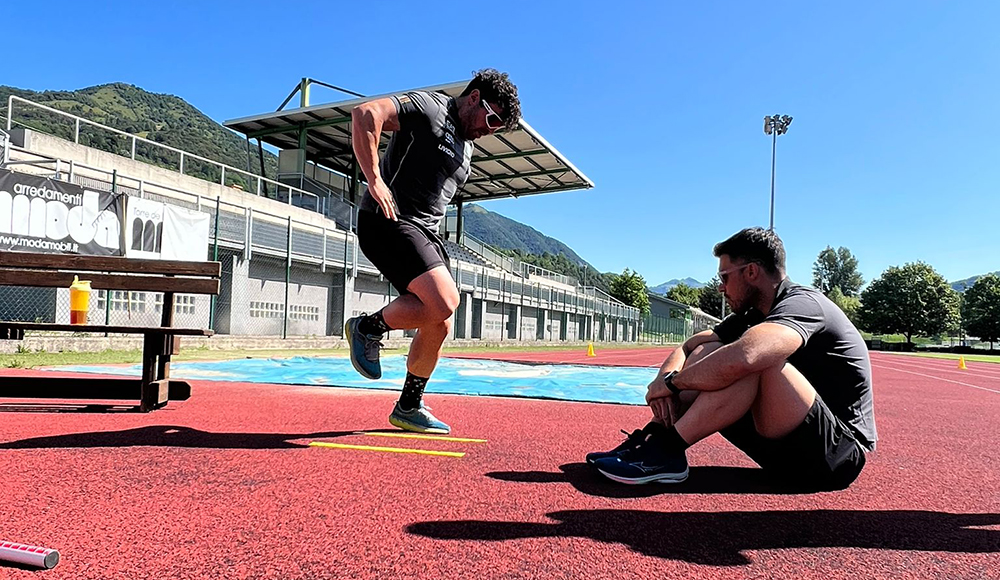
{"points": [[461, 327], [513, 327], [232, 315]]}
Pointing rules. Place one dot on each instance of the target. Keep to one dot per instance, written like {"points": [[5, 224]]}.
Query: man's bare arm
{"points": [[368, 120], [760, 347]]}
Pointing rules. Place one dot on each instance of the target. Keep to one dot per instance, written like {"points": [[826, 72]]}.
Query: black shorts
{"points": [[401, 250], [820, 453]]}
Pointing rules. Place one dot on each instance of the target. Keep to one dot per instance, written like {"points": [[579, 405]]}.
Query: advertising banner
{"points": [[43, 215]]}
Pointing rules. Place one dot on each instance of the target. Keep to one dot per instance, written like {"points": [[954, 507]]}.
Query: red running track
{"points": [[225, 486]]}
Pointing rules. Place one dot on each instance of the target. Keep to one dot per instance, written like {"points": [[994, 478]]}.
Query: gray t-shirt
{"points": [[833, 356], [427, 159]]}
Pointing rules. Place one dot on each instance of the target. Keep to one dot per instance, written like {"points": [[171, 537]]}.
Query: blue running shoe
{"points": [[632, 440], [364, 349], [645, 463], [419, 420]]}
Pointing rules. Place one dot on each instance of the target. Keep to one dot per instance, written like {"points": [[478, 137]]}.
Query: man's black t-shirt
{"points": [[427, 159], [833, 356]]}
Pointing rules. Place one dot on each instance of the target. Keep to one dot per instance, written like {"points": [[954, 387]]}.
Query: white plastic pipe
{"points": [[29, 555]]}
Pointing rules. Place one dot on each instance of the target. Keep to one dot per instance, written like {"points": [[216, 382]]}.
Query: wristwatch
{"points": [[668, 380]]}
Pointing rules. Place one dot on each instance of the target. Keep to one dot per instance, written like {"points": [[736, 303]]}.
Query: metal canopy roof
{"points": [[505, 164]]}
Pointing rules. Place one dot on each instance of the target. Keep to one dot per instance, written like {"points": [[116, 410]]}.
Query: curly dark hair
{"points": [[495, 87], [755, 245]]}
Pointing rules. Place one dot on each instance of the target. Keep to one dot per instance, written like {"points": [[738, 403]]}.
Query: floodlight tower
{"points": [[775, 125]]}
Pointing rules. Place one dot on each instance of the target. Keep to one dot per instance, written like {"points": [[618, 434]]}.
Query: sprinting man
{"points": [[786, 378], [427, 160]]}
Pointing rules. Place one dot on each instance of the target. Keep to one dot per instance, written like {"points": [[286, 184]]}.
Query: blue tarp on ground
{"points": [[453, 376]]}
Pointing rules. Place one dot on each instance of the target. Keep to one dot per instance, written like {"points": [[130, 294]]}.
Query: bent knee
{"points": [[442, 307], [438, 329]]}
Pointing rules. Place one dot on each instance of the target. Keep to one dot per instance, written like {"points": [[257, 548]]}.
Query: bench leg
{"points": [[154, 393]]}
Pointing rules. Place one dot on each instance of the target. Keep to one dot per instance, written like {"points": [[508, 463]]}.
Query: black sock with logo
{"points": [[413, 391], [374, 324]]}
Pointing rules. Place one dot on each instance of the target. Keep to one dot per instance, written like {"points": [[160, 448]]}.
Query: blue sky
{"points": [[894, 150]]}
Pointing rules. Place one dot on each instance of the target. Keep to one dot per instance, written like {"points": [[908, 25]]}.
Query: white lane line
{"points": [[969, 373], [938, 378]]}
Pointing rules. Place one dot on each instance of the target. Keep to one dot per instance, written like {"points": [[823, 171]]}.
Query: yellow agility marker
{"points": [[418, 436], [386, 449], [590, 349], [961, 364]]}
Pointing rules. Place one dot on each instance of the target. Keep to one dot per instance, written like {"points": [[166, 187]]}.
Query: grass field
{"points": [[945, 355]]}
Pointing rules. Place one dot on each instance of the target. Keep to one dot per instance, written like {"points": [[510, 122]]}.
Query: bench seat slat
{"points": [[109, 264], [100, 281], [161, 330]]}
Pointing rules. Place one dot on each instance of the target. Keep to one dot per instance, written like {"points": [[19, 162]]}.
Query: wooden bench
{"points": [[155, 387]]}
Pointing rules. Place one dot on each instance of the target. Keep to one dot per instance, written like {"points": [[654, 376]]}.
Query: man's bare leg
{"points": [[428, 308], [779, 398]]}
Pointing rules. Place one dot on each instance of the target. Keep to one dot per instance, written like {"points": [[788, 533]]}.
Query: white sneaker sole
{"points": [[658, 478], [407, 426]]}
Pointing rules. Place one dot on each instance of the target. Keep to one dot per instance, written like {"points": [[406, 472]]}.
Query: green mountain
{"points": [[506, 234], [160, 118], [961, 285], [529, 245]]}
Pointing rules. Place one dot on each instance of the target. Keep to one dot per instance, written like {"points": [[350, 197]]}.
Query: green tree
{"points": [[911, 300], [685, 294], [710, 298], [630, 288], [981, 309], [837, 269], [849, 304]]}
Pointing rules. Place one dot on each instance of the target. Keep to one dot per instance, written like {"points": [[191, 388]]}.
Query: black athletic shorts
{"points": [[401, 250], [820, 453]]}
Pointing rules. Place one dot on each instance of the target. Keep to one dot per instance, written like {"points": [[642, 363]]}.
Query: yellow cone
{"points": [[961, 364], [590, 350]]}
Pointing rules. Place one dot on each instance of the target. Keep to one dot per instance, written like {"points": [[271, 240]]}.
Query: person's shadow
{"points": [[720, 538], [174, 436], [707, 479]]}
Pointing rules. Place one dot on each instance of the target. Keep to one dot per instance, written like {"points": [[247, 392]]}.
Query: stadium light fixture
{"points": [[775, 125]]}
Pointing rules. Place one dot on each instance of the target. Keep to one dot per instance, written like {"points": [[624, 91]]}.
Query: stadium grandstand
{"points": [[291, 266]]}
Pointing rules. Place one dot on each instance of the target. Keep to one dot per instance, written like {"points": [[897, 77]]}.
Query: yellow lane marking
{"points": [[417, 436], [386, 449]]}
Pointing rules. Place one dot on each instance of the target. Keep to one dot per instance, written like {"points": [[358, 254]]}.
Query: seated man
{"points": [[785, 378]]}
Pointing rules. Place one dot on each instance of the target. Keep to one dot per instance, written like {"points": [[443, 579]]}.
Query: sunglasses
{"points": [[493, 121], [724, 274]]}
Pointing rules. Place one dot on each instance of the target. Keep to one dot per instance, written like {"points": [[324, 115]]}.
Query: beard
{"points": [[749, 300]]}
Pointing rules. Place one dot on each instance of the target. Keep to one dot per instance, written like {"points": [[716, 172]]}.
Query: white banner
{"points": [[185, 234], [143, 228], [159, 231]]}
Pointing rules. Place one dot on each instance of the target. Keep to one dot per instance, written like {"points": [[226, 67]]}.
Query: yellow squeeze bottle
{"points": [[79, 301]]}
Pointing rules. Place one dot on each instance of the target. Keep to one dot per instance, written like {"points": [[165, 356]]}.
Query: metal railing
{"points": [[261, 186], [4, 144], [533, 270], [491, 255]]}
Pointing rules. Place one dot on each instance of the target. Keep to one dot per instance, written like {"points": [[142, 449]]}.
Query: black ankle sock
{"points": [[667, 437], [374, 324], [413, 391]]}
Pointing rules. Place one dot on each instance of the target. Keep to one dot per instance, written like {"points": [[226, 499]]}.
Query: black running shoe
{"points": [[647, 462], [634, 438]]}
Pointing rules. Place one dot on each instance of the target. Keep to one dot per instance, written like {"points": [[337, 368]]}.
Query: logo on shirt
{"points": [[447, 150]]}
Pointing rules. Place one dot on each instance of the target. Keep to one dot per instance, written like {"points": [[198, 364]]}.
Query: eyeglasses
{"points": [[493, 121], [724, 274]]}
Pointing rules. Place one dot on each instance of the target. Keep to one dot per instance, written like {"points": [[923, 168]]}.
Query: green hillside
{"points": [[160, 118]]}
